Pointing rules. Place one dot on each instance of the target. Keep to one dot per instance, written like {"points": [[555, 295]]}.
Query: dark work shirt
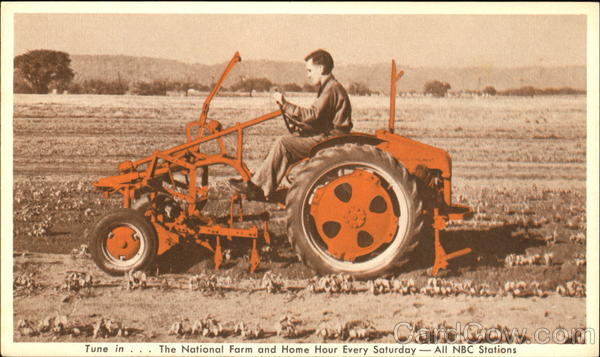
{"points": [[331, 113]]}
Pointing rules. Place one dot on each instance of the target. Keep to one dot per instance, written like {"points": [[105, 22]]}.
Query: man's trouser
{"points": [[286, 151]]}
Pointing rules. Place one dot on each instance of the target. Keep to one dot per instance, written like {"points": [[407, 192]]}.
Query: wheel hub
{"points": [[122, 243], [354, 215]]}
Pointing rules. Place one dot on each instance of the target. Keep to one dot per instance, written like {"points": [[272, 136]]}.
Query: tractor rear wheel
{"points": [[353, 209], [123, 240]]}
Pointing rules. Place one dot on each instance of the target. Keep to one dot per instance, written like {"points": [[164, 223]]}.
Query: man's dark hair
{"points": [[321, 57]]}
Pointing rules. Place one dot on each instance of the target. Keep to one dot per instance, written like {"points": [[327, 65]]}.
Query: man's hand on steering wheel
{"points": [[292, 125]]}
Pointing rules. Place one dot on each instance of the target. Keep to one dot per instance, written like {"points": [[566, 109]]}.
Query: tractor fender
{"points": [[412, 153], [353, 138], [409, 152]]}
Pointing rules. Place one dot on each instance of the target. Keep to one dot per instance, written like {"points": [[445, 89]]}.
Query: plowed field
{"points": [[520, 162]]}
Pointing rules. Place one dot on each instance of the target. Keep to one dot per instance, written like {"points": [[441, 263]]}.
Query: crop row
{"points": [[82, 282], [288, 327]]}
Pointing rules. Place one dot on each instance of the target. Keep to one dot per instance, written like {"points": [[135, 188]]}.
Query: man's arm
{"points": [[322, 107]]}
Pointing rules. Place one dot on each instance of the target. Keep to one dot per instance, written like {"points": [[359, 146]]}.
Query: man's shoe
{"points": [[252, 192]]}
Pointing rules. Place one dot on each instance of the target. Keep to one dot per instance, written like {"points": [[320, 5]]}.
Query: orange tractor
{"points": [[357, 205]]}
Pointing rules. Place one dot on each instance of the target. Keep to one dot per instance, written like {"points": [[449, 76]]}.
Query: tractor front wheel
{"points": [[353, 209], [123, 240]]}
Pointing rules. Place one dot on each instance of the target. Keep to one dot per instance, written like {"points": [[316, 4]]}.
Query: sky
{"points": [[413, 40]]}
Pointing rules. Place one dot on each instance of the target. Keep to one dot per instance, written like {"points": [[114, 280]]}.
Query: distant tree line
{"points": [[40, 71], [441, 89], [531, 91], [526, 91], [156, 87]]}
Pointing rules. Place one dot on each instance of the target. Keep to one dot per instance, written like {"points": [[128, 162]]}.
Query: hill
{"points": [[107, 67]]}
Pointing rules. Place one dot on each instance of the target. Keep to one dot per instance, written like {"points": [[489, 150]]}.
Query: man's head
{"points": [[319, 64]]}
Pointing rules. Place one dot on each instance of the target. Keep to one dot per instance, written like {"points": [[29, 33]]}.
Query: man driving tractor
{"points": [[330, 115], [356, 207]]}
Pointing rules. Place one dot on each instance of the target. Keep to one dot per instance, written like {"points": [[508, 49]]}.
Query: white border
{"points": [[9, 9]]}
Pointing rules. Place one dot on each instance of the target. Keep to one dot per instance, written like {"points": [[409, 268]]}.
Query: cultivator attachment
{"points": [[208, 235], [175, 181]]}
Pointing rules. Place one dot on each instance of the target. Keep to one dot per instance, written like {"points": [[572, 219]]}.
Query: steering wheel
{"points": [[292, 125]]}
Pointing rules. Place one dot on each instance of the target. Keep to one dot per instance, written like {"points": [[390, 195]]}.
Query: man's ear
{"points": [[322, 69]]}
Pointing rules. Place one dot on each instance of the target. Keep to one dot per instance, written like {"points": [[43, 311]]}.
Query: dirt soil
{"points": [[519, 162], [151, 312]]}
